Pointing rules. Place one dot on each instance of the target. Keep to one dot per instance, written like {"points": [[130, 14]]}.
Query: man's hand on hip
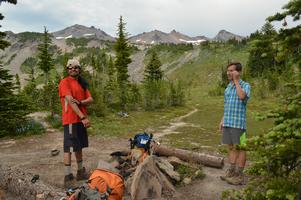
{"points": [[86, 122]]}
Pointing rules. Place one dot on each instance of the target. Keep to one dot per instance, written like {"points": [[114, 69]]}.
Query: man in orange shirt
{"points": [[75, 96]]}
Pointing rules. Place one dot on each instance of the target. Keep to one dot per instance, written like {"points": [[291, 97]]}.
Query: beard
{"points": [[74, 75]]}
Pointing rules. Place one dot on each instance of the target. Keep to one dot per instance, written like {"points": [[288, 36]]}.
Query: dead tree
{"points": [[202, 158], [26, 186]]}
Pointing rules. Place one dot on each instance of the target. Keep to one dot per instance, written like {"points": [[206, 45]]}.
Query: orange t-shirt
{"points": [[70, 86]]}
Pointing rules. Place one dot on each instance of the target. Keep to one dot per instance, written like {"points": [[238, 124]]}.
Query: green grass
{"points": [[115, 126], [206, 136]]}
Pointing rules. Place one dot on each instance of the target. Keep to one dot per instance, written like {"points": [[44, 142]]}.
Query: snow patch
{"points": [[193, 41], [88, 34], [69, 36], [59, 38]]}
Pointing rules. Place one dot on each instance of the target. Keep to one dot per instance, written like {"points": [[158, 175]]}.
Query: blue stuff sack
{"points": [[141, 140]]}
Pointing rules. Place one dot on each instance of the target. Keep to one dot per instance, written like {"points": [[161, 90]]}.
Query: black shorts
{"points": [[75, 136]]}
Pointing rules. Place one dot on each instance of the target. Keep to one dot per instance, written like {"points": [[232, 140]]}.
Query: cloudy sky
{"points": [[191, 17]]}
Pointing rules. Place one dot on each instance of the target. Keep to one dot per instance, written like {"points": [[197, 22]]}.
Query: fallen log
{"points": [[24, 187], [202, 158]]}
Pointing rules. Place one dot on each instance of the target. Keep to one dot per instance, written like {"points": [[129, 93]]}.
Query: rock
{"points": [[107, 166], [199, 174], [187, 180], [54, 152], [168, 169], [40, 196]]}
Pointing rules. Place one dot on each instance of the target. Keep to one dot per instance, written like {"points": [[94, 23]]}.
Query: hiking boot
{"points": [[82, 174], [236, 180], [69, 182], [229, 173]]}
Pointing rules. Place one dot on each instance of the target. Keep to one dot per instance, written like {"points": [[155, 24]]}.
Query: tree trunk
{"points": [[202, 158]]}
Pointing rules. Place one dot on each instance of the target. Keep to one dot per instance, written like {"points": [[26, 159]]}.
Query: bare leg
{"points": [[79, 159], [67, 158], [67, 163], [233, 154], [242, 156], [79, 156]]}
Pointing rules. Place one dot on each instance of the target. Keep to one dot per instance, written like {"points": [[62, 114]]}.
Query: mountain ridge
{"points": [[151, 37]]}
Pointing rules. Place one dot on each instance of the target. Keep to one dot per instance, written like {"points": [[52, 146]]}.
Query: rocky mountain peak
{"points": [[224, 35], [78, 31]]}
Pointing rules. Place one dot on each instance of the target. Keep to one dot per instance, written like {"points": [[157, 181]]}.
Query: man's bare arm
{"points": [[221, 124], [240, 92], [87, 101], [78, 112], [84, 102]]}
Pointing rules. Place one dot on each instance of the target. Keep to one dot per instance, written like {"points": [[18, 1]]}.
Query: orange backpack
{"points": [[106, 184], [107, 181]]}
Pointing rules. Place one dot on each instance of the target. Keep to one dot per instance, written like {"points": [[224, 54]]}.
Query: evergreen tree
{"points": [[18, 84], [289, 39], [50, 97], [262, 53], [4, 43], [268, 30], [154, 86], [153, 71], [12, 108], [111, 85], [176, 94], [121, 62], [45, 62]]}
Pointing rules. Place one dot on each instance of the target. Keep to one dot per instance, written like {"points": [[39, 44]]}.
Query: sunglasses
{"points": [[74, 67]]}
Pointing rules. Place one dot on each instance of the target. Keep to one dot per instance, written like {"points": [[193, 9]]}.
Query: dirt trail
{"points": [[175, 124], [32, 154]]}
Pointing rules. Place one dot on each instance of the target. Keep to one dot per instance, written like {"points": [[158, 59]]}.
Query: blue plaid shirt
{"points": [[234, 108]]}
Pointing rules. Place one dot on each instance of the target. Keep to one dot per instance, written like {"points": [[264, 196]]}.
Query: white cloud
{"points": [[192, 17]]}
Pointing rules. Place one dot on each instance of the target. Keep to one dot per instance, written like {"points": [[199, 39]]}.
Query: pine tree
{"points": [[18, 84], [154, 90], [289, 38], [111, 85], [50, 98], [12, 108], [262, 53], [3, 43], [45, 62], [268, 30], [122, 60], [153, 71]]}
